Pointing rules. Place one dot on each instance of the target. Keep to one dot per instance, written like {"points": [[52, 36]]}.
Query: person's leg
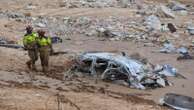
{"points": [[34, 59], [29, 62], [46, 59], [42, 59]]}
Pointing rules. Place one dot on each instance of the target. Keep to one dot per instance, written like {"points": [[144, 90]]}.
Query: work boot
{"points": [[28, 64], [44, 69], [34, 68]]}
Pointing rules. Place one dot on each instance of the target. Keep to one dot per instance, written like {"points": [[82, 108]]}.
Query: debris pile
{"points": [[96, 3], [9, 44], [117, 67], [12, 15], [177, 6], [114, 27], [147, 25], [190, 29]]}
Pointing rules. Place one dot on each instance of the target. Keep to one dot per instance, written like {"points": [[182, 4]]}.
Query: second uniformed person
{"points": [[45, 48]]}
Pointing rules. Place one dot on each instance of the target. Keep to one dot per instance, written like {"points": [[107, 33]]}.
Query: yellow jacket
{"points": [[44, 41], [30, 39]]}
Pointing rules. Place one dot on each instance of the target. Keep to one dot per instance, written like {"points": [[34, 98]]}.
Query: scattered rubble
{"points": [[190, 29], [168, 48], [165, 12], [9, 44], [16, 46], [177, 6], [182, 51], [30, 6], [41, 25], [56, 40], [97, 3], [148, 24], [113, 28], [153, 22], [13, 15], [184, 54], [117, 67], [166, 70], [3, 41], [171, 27], [185, 57]]}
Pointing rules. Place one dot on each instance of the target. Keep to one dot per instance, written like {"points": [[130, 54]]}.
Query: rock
{"points": [[101, 31], [161, 82], [124, 3], [3, 41], [91, 33], [30, 6], [190, 29], [182, 13], [166, 12], [177, 101], [183, 50], [63, 3], [108, 32], [153, 22], [168, 48], [14, 15], [115, 39], [34, 19], [168, 70], [177, 6], [41, 25], [96, 3], [28, 14], [171, 27]]}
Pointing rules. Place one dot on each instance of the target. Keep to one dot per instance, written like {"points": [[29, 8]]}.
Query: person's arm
{"points": [[50, 45], [25, 43]]}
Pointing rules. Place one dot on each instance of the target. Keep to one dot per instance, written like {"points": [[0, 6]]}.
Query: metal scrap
{"points": [[114, 67], [178, 102], [190, 29], [9, 44]]}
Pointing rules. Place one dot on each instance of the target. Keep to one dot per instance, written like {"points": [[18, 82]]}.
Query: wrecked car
{"points": [[112, 66]]}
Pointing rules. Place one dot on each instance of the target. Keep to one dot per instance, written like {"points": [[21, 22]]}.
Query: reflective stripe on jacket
{"points": [[44, 41], [30, 39]]}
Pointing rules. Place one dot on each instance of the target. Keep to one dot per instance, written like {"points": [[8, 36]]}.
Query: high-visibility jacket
{"points": [[44, 41], [30, 39]]}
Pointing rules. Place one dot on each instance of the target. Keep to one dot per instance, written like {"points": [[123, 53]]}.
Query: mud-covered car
{"points": [[112, 66]]}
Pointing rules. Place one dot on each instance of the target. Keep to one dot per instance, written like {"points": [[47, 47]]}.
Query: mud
{"points": [[22, 89]]}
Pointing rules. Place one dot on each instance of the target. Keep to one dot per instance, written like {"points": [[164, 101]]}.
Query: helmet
{"points": [[41, 32], [29, 28]]}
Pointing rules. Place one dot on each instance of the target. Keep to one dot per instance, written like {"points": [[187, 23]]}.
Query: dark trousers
{"points": [[44, 57], [33, 55]]}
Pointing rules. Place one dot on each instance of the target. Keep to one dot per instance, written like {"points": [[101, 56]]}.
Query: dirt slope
{"points": [[21, 89]]}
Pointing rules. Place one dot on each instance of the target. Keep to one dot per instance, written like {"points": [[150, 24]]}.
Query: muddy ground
{"points": [[21, 89]]}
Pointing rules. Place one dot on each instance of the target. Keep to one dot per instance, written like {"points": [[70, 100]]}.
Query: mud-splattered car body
{"points": [[113, 66]]}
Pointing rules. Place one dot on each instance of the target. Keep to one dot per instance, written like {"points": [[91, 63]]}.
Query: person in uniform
{"points": [[45, 48], [30, 44]]}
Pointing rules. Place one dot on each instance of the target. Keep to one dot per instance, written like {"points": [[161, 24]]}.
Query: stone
{"points": [[153, 22], [177, 6], [165, 11], [190, 29], [41, 25]]}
